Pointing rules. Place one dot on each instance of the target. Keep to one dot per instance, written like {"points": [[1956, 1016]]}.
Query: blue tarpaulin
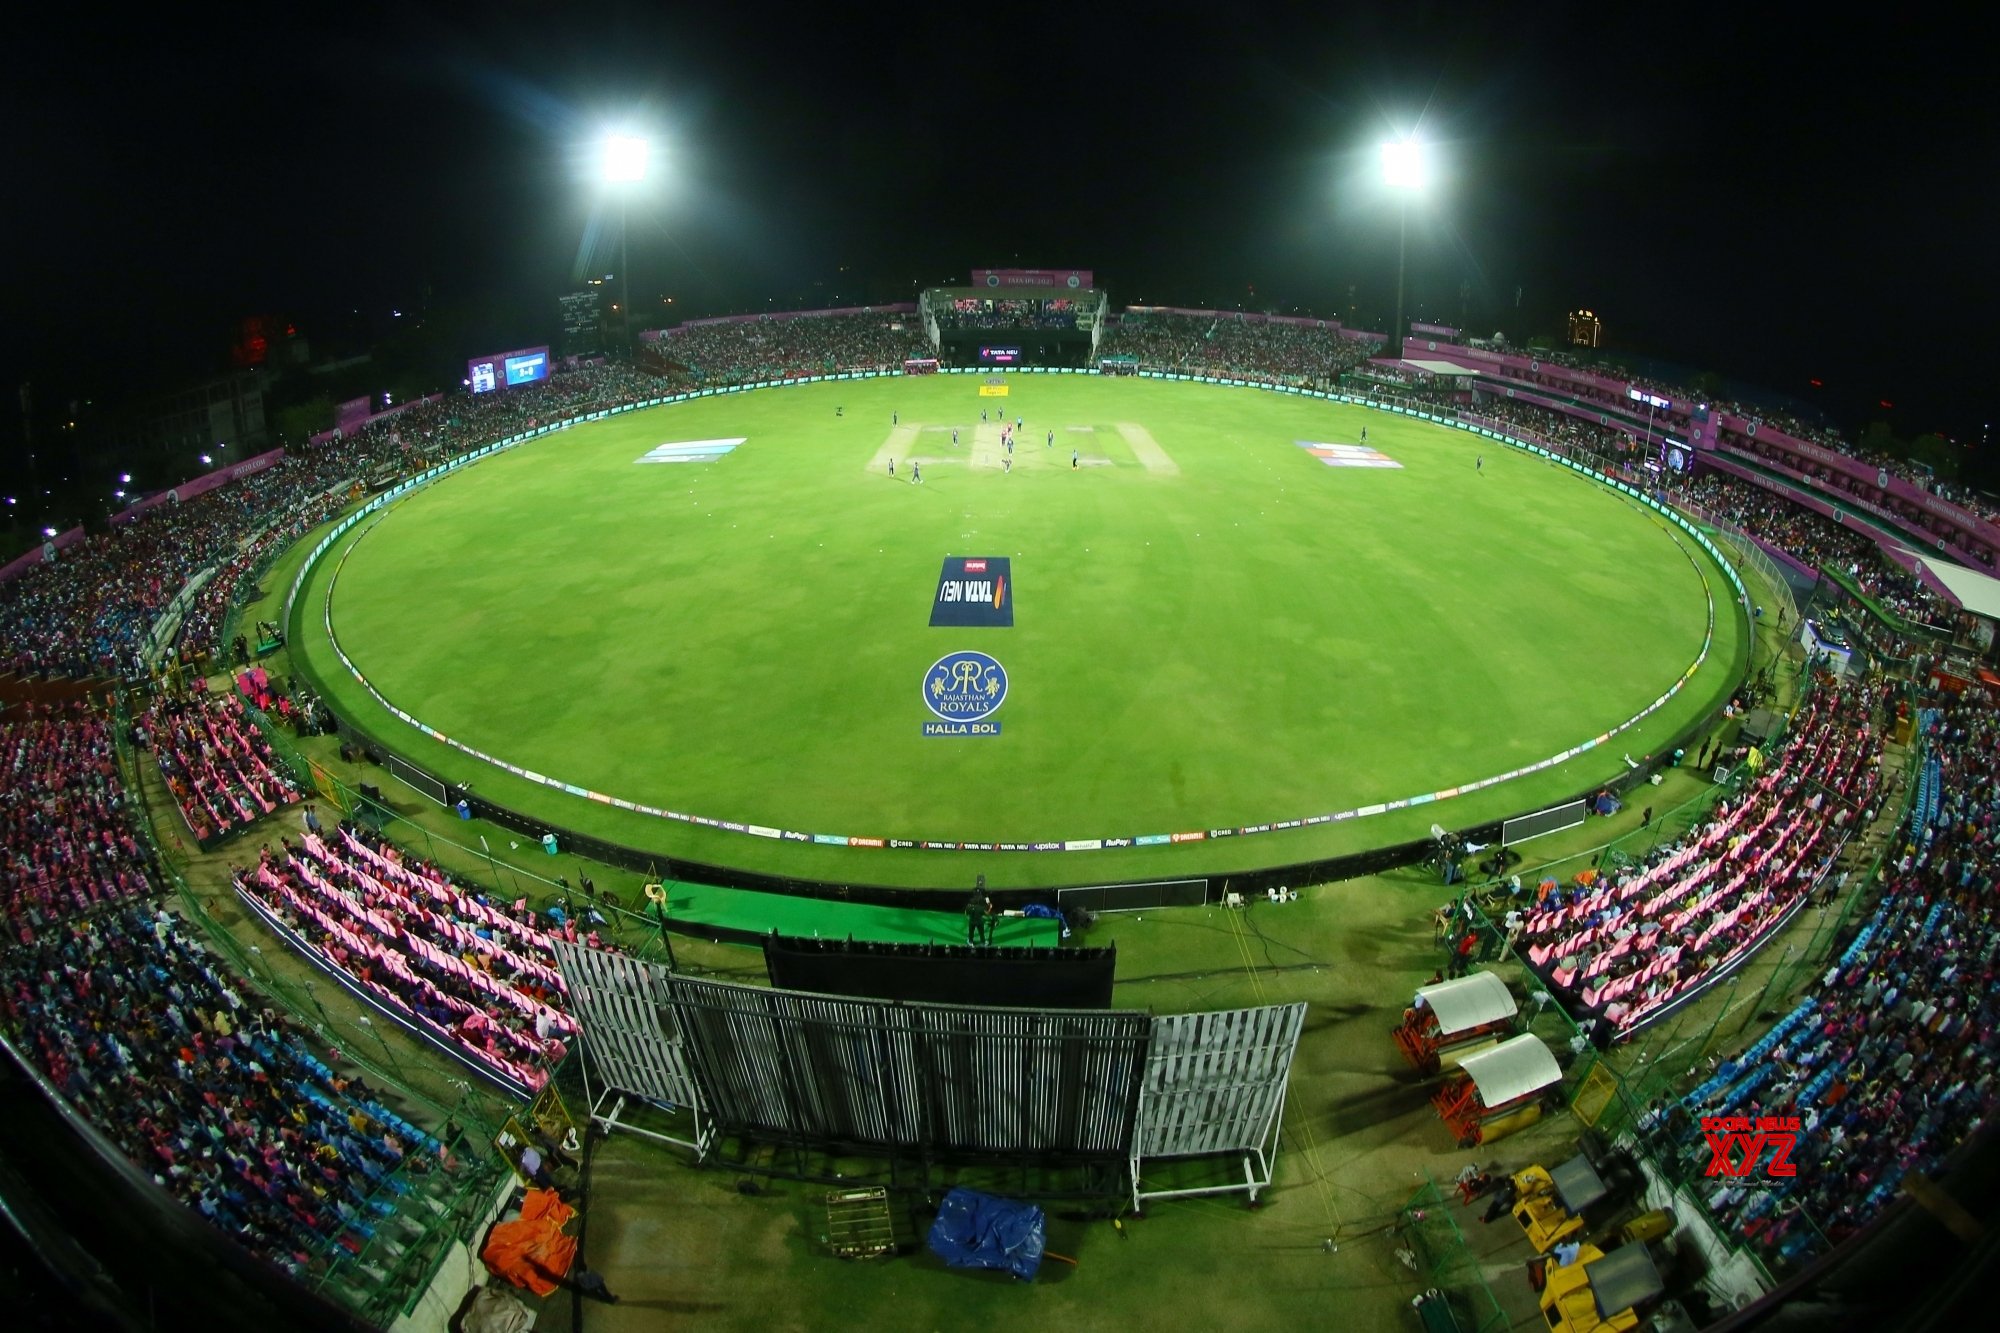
{"points": [[975, 1230], [1044, 910]]}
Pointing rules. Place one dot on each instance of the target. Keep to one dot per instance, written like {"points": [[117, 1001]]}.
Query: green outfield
{"points": [[1212, 628]]}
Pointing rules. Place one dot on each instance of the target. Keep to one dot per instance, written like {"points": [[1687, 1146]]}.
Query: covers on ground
{"points": [[975, 1230], [531, 1251]]}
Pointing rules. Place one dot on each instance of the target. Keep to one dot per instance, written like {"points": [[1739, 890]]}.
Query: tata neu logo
{"points": [[974, 591], [1737, 1145]]}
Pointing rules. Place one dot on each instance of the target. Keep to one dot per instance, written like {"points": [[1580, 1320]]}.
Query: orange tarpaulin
{"points": [[532, 1251]]}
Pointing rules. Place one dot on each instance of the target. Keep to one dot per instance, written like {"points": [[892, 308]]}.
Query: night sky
{"points": [[1773, 203]]}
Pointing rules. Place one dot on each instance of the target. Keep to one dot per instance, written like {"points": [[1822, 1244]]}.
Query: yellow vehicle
{"points": [[1549, 1204], [1600, 1293]]}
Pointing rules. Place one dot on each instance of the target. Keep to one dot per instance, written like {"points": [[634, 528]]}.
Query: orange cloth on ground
{"points": [[532, 1251]]}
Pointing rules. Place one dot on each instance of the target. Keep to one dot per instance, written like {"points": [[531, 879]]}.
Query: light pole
{"points": [[1404, 171], [624, 162]]}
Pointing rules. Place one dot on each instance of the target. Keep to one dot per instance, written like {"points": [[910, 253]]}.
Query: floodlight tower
{"points": [[624, 168], [1405, 170]]}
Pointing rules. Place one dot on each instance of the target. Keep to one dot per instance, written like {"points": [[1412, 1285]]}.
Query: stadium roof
{"points": [[1436, 367], [1008, 293], [1976, 592]]}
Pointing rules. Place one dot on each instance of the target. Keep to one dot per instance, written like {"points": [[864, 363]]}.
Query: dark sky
{"points": [[1770, 199]]}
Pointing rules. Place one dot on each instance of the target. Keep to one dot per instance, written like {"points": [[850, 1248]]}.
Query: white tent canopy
{"points": [[1512, 1070], [1468, 1001], [1976, 592], [1437, 367]]}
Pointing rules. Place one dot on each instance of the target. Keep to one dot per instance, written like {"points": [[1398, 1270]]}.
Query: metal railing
{"points": [[1438, 1254]]}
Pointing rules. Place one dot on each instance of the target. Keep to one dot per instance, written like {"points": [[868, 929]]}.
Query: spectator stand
{"points": [[339, 937], [85, 1003], [509, 878], [1856, 598], [217, 763], [1720, 895], [1637, 1104], [360, 1044], [65, 846], [234, 1114], [1589, 1082], [450, 970], [1874, 579]]}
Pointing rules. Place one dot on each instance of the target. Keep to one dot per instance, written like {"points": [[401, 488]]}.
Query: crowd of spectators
{"points": [[1621, 947], [1307, 353], [218, 1100], [786, 348], [1871, 492], [1557, 430], [478, 977], [1889, 1060], [1563, 374], [973, 312], [92, 610], [64, 828], [1818, 541], [217, 765]]}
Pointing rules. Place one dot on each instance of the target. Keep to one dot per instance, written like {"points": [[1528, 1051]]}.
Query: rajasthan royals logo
{"points": [[965, 686]]}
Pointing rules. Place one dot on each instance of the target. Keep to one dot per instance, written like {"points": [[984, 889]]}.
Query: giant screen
{"points": [[507, 370]]}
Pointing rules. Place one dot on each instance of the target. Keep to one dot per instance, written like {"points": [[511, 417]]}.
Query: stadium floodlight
{"points": [[623, 164], [1405, 165], [1406, 171], [624, 160]]}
